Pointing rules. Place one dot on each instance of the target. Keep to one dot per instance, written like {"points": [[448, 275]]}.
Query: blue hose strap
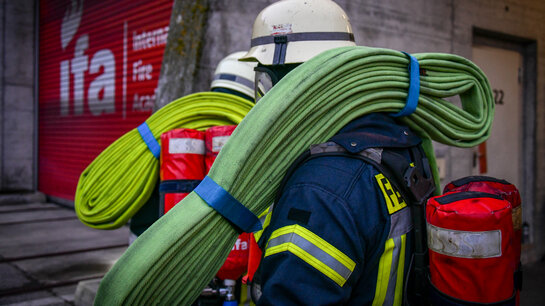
{"points": [[227, 206], [149, 139], [414, 88]]}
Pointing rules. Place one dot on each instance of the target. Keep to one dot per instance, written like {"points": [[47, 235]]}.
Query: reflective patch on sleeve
{"points": [[393, 198], [312, 249], [464, 244]]}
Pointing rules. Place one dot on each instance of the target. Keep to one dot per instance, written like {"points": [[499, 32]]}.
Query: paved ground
{"points": [[45, 252]]}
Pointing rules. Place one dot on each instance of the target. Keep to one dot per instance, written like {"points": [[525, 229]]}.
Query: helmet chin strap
{"points": [[281, 41], [280, 46]]}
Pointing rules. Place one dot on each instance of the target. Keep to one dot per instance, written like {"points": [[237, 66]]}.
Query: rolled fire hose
{"points": [[177, 256], [121, 178]]}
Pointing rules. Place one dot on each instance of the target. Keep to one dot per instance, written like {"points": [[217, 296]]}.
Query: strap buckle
{"points": [[420, 187]]}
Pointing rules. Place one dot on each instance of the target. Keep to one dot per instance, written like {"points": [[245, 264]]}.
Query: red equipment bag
{"points": [[182, 165], [237, 260], [474, 250]]}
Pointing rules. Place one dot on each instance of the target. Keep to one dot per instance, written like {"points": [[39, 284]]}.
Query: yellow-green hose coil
{"points": [[121, 179]]}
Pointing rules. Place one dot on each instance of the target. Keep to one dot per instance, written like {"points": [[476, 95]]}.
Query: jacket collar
{"points": [[375, 130]]}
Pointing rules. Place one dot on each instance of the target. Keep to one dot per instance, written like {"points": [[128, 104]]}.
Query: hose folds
{"points": [[177, 256], [121, 179]]}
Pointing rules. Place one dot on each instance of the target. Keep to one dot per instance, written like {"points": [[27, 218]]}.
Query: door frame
{"points": [[528, 49]]}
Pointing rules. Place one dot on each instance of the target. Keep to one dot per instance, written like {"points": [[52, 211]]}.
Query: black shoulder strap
{"points": [[413, 181]]}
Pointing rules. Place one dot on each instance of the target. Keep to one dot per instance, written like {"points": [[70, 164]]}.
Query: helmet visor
{"points": [[265, 79]]}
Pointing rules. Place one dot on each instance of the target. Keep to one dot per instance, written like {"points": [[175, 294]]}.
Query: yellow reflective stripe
{"points": [[268, 218], [313, 250], [400, 272], [265, 218], [383, 273], [388, 278], [393, 198]]}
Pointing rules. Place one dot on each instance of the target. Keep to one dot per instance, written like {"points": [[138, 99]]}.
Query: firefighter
{"points": [[339, 232], [231, 76]]}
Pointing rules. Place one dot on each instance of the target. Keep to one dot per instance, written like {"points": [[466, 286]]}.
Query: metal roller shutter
{"points": [[99, 63]]}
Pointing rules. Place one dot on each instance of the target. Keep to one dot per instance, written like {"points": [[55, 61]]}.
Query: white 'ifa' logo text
{"points": [[240, 245], [100, 95]]}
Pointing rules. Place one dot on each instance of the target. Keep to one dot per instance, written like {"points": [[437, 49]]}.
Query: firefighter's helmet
{"points": [[235, 75], [293, 31]]}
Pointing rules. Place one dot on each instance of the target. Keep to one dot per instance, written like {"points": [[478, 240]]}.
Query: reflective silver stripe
{"points": [[373, 153], [464, 244], [186, 145], [218, 142], [392, 281], [400, 223], [313, 250], [234, 78]]}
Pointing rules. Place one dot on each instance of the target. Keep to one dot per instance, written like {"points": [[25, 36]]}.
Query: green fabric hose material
{"points": [[176, 257], [121, 179]]}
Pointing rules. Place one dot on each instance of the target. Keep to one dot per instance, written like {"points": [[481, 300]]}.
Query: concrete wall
{"points": [[421, 26], [17, 104]]}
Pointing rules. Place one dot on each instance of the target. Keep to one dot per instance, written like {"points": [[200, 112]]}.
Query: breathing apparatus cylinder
{"points": [[182, 165]]}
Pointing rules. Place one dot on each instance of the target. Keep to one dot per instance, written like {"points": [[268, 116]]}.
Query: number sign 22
{"points": [[498, 96]]}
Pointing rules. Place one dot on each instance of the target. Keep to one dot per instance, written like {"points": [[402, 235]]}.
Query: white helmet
{"points": [[293, 31], [235, 75]]}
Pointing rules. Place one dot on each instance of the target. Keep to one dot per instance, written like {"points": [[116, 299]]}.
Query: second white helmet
{"points": [[235, 75]]}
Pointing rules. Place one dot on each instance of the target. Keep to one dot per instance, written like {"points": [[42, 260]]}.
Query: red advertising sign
{"points": [[99, 63]]}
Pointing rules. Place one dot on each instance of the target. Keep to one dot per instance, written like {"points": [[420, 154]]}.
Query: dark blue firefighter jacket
{"points": [[340, 232]]}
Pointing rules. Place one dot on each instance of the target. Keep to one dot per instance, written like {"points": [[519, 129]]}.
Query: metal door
{"points": [[501, 155]]}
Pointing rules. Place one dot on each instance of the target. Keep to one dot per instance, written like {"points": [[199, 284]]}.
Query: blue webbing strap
{"points": [[149, 139], [227, 206], [414, 88], [178, 186]]}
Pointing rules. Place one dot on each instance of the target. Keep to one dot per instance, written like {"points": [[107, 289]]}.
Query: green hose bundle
{"points": [[121, 179], [177, 256]]}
